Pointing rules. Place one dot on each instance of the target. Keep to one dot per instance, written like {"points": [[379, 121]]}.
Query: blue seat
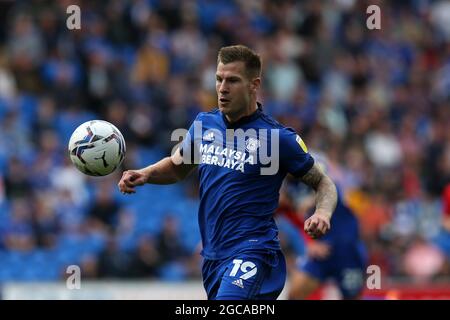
{"points": [[128, 242], [67, 257], [6, 273], [173, 272], [28, 107]]}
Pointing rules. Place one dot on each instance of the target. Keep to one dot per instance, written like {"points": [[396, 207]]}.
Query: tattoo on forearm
{"points": [[313, 177], [154, 173], [326, 195]]}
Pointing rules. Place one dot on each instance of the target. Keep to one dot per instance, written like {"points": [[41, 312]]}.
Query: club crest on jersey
{"points": [[252, 144], [208, 136]]}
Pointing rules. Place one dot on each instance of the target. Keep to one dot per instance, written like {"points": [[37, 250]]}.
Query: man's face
{"points": [[233, 88]]}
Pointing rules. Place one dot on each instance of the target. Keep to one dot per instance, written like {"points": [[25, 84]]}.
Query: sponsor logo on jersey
{"points": [[208, 136], [225, 157]]}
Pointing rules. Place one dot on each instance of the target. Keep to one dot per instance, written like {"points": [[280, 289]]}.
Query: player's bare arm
{"points": [[167, 171], [326, 199]]}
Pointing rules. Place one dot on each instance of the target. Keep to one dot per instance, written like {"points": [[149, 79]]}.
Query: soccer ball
{"points": [[97, 148]]}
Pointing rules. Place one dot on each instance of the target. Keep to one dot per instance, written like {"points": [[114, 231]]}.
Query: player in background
{"points": [[240, 245], [442, 239], [339, 256]]}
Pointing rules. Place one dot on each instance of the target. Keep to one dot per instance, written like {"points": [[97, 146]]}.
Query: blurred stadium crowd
{"points": [[377, 102]]}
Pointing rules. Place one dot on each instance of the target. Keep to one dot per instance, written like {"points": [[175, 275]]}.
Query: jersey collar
{"points": [[255, 115]]}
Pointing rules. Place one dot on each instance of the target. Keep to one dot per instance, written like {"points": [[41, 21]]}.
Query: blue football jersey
{"points": [[237, 197]]}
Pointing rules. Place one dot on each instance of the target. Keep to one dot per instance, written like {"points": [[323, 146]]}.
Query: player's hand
{"points": [[318, 249], [131, 179], [318, 224]]}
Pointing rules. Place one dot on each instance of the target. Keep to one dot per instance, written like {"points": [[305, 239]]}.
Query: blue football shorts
{"points": [[346, 266], [245, 276]]}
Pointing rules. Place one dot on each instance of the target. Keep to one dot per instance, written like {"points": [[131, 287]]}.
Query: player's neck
{"points": [[248, 111]]}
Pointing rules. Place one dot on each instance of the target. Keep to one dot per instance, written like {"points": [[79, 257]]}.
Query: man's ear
{"points": [[255, 84]]}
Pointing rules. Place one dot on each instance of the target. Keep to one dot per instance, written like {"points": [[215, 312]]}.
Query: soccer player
{"points": [[442, 239], [239, 189], [339, 256]]}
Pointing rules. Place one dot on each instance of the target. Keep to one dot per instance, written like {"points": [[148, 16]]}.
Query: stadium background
{"points": [[377, 102]]}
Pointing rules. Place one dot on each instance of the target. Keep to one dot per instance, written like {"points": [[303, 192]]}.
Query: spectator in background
{"points": [[19, 235], [17, 184], [146, 259], [8, 85], [443, 238], [26, 50], [169, 242], [113, 263], [423, 261], [103, 213], [376, 101], [45, 223]]}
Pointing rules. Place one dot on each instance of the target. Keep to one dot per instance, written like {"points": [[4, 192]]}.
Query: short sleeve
{"points": [[294, 155], [188, 146]]}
